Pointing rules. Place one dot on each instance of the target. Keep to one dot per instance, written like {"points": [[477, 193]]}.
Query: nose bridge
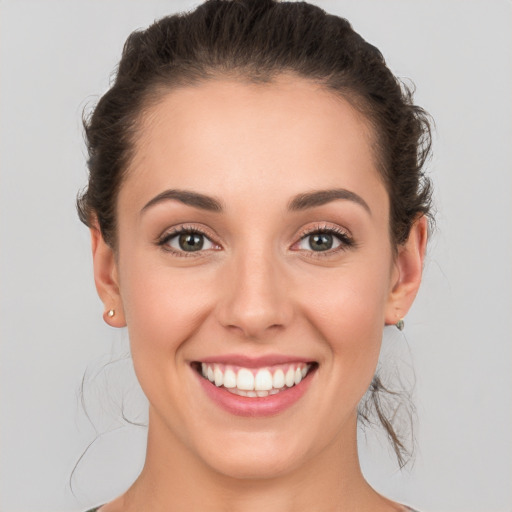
{"points": [[255, 296]]}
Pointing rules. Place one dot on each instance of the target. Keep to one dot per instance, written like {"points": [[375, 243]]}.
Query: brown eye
{"points": [[191, 242]]}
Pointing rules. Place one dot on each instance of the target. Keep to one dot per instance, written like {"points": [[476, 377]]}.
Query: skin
{"points": [[258, 288]]}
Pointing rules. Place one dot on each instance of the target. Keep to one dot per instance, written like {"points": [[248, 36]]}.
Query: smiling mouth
{"points": [[255, 382]]}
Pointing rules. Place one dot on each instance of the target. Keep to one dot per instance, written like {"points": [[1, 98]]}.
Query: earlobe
{"points": [[106, 279], [408, 272]]}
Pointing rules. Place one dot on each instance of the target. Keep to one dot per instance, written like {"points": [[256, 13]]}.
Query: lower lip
{"points": [[256, 406]]}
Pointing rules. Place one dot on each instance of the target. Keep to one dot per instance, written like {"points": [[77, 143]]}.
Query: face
{"points": [[254, 271]]}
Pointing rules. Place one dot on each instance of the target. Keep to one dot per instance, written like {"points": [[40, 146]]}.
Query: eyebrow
{"points": [[186, 197], [321, 197], [298, 203]]}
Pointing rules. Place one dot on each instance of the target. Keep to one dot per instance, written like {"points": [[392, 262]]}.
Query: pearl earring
{"points": [[111, 313]]}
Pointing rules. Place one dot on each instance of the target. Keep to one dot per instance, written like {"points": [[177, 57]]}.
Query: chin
{"points": [[256, 457]]}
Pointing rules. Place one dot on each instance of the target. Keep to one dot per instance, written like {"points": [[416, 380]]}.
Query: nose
{"points": [[255, 301]]}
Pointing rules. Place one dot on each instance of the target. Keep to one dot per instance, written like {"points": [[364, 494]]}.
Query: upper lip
{"points": [[254, 362]]}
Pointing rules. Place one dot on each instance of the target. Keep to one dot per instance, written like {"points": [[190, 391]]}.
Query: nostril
{"points": [[255, 330]]}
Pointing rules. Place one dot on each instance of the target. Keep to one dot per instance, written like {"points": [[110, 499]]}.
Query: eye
{"points": [[329, 240], [186, 241], [319, 242]]}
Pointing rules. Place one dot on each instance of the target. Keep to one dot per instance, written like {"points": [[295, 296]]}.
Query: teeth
{"points": [[229, 379], [278, 379], [219, 377], [289, 380], [263, 381], [245, 380], [255, 383]]}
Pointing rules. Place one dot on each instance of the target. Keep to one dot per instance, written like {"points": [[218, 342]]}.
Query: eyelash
{"points": [[345, 240], [164, 240]]}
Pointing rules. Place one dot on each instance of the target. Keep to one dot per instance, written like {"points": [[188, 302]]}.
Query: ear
{"points": [[106, 279], [408, 268]]}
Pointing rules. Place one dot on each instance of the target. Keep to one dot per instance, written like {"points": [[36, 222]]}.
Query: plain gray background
{"points": [[56, 58]]}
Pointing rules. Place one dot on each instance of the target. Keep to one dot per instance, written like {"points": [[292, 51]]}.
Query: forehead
{"points": [[235, 137]]}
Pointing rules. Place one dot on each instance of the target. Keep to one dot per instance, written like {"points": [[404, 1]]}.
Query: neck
{"points": [[175, 479]]}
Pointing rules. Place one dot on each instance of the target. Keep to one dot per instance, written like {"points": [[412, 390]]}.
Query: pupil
{"points": [[191, 242], [320, 242]]}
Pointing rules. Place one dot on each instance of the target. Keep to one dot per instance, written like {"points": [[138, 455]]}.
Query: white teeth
{"points": [[245, 380], [278, 379], [290, 377], [219, 377], [229, 379], [263, 381], [255, 383]]}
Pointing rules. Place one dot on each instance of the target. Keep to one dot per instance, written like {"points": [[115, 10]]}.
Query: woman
{"points": [[258, 214]]}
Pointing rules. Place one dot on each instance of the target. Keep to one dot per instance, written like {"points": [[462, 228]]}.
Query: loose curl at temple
{"points": [[258, 40]]}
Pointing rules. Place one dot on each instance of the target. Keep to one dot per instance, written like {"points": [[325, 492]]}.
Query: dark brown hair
{"points": [[257, 40]]}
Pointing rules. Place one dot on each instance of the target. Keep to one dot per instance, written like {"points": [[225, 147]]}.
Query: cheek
{"points": [[162, 311], [160, 306], [353, 305], [350, 320]]}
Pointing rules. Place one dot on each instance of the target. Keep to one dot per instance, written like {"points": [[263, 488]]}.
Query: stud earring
{"points": [[400, 324], [111, 313]]}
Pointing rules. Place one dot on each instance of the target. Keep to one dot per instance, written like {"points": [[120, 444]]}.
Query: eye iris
{"points": [[191, 242], [321, 242]]}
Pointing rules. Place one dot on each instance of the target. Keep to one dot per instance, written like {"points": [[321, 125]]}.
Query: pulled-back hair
{"points": [[257, 40]]}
